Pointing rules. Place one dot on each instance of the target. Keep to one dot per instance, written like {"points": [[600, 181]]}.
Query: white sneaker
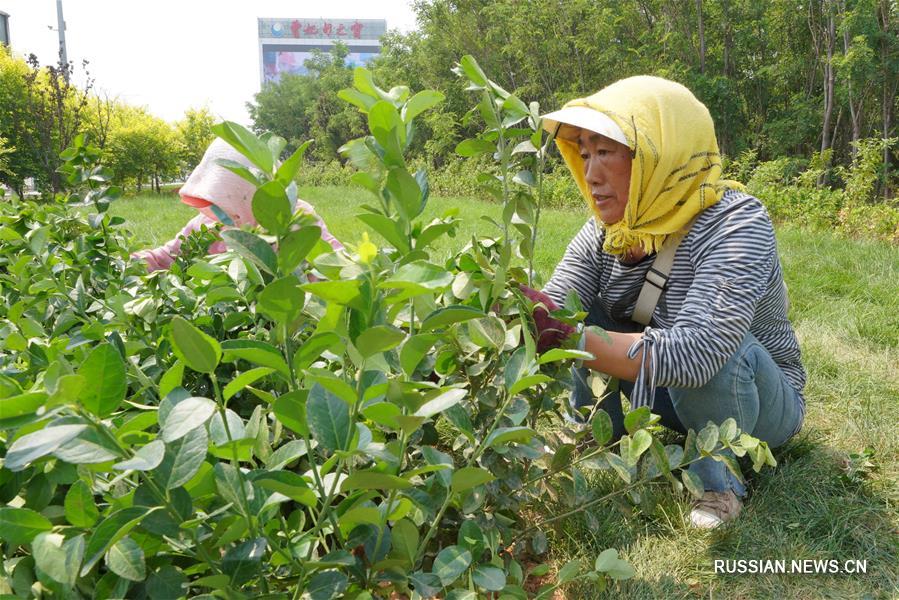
{"points": [[715, 508]]}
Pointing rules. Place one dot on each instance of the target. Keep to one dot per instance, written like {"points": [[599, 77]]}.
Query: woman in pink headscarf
{"points": [[212, 189]]}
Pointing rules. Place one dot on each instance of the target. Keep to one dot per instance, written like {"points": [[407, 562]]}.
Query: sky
{"points": [[171, 55]]}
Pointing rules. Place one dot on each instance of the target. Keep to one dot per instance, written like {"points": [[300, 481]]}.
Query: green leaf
{"points": [[727, 431], [171, 379], [469, 477], [271, 207], [81, 510], [707, 438], [287, 172], [327, 585], [39, 444], [693, 483], [187, 416], [388, 228], [609, 563], [333, 383], [474, 147], [472, 70], [450, 563], [517, 367], [295, 246], [256, 352], [286, 454], [556, 354], [449, 315], [290, 410], [253, 248], [105, 385], [418, 277], [405, 537], [505, 435], [405, 192], [442, 402], [166, 583], [602, 427], [91, 447], [637, 419], [640, 443], [570, 571], [282, 300], [20, 405], [421, 102], [344, 292], [68, 391], [373, 480], [242, 562], [20, 525], [125, 558], [527, 382], [489, 578], [363, 101], [388, 129], [182, 459], [329, 419], [414, 350], [197, 350], [312, 349], [243, 380], [379, 338], [228, 482], [57, 557], [109, 531], [288, 483], [245, 142], [146, 458]]}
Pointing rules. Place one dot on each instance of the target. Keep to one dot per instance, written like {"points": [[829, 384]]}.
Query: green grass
{"points": [[845, 308]]}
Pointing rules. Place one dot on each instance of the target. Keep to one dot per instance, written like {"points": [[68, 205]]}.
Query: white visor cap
{"points": [[584, 118]]}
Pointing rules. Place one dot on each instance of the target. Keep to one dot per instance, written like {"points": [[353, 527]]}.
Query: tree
{"points": [[53, 111], [22, 161], [142, 149], [303, 107], [195, 132]]}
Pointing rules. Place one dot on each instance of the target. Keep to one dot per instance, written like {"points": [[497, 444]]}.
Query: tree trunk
{"points": [[830, 40], [888, 91], [854, 110], [728, 36], [701, 37]]}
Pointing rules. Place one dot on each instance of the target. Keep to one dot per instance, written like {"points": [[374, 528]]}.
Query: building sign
{"points": [[323, 29], [4, 28], [286, 44]]}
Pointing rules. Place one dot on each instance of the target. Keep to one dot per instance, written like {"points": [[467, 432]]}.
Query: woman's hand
{"points": [[550, 332]]}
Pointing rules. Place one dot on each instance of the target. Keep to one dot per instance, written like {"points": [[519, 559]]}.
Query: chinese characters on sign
{"points": [[342, 29]]}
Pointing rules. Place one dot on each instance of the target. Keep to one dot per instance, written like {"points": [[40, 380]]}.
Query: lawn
{"points": [[815, 505]]}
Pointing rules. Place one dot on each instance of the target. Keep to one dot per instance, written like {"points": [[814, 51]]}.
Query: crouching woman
{"points": [[718, 343]]}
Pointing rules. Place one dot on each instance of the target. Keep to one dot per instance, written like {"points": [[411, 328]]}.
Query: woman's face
{"points": [[607, 170]]}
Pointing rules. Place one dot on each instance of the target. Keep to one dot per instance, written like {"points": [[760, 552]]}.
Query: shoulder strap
{"points": [[657, 278]]}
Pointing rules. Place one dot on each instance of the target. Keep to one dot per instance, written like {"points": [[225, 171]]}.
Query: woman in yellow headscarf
{"points": [[718, 343]]}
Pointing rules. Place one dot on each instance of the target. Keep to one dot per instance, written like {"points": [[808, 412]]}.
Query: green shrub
{"points": [[264, 422]]}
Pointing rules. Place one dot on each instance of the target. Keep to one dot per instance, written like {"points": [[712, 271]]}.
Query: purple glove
{"points": [[550, 332]]}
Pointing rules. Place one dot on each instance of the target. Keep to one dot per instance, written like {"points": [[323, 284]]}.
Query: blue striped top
{"points": [[726, 280]]}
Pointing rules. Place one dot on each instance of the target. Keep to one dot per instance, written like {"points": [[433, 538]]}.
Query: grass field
{"points": [[845, 308]]}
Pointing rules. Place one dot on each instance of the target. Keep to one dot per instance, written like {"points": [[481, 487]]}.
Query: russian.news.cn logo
{"points": [[753, 566]]}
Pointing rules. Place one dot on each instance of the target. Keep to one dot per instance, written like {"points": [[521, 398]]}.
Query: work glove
{"points": [[550, 332]]}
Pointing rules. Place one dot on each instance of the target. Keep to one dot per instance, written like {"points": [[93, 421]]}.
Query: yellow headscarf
{"points": [[676, 166]]}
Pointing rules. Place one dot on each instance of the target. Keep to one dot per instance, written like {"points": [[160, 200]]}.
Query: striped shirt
{"points": [[726, 281]]}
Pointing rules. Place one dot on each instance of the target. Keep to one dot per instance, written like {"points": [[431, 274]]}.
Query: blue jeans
{"points": [[750, 387]]}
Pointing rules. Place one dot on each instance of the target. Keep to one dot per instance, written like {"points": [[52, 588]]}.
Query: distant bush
{"points": [[792, 190]]}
